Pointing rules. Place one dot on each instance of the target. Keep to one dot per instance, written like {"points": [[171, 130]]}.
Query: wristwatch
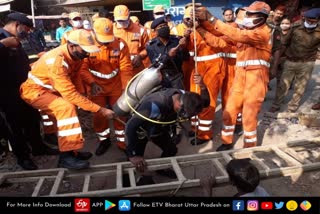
{"points": [[212, 19]]}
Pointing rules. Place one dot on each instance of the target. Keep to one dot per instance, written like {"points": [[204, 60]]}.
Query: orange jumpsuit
{"points": [[251, 80], [49, 88], [187, 65], [137, 38], [111, 69], [211, 67]]}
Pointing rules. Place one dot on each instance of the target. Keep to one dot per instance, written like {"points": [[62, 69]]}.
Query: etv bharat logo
{"points": [[82, 205]]}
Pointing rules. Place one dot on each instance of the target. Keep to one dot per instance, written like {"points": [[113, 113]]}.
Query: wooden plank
{"points": [[226, 157], [177, 170], [132, 178], [37, 188], [297, 156], [260, 162], [57, 182], [286, 157], [119, 176], [222, 171], [86, 183]]}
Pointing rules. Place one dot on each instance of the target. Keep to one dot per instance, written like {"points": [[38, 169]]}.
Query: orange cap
{"points": [[121, 12], [95, 16], [258, 7], [74, 15], [187, 12], [103, 29], [134, 19], [84, 39], [158, 9]]}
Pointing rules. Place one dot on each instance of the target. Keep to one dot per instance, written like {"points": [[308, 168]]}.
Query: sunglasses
{"points": [[159, 13]]}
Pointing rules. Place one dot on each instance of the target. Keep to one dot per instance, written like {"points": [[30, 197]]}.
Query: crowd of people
{"points": [[202, 57]]}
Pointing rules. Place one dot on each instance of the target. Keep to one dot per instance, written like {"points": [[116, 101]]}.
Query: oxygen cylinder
{"points": [[144, 83]]}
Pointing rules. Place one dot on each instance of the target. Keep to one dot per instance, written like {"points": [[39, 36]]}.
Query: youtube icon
{"points": [[267, 205]]}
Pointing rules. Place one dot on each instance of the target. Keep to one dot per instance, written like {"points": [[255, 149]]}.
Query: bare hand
{"points": [[107, 113], [183, 42], [187, 32], [197, 79], [173, 52], [10, 42], [136, 61], [96, 89], [138, 162], [202, 14]]}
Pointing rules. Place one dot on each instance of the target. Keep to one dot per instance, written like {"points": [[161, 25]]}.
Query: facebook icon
{"points": [[238, 205]]}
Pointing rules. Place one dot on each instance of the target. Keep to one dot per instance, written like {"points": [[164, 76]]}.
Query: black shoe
{"points": [[51, 140], [145, 180], [103, 146], [238, 130], [27, 164], [83, 155], [224, 147], [167, 173], [67, 160], [199, 141], [45, 150], [191, 134]]}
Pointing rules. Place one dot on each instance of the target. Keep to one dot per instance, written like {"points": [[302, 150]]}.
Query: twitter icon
{"points": [[279, 205]]}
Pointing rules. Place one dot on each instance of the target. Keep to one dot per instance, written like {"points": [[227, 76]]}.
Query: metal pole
{"points": [[32, 13]]}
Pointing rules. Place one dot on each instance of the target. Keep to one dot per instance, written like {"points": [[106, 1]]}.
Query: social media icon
{"points": [[124, 205], [252, 205], [108, 205], [279, 205], [292, 205], [305, 205], [266, 205], [238, 205], [82, 205]]}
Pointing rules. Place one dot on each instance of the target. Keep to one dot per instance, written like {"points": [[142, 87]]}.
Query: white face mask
{"points": [[77, 24], [248, 22], [307, 25], [285, 26], [122, 24], [158, 16]]}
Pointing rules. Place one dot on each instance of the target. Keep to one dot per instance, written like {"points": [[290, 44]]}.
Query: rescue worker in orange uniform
{"points": [[251, 79], [76, 23], [134, 35], [107, 72], [159, 11], [211, 66], [187, 65], [50, 89]]}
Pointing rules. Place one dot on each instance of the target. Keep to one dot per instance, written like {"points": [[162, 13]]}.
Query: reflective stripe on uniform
{"points": [[252, 140], [253, 62], [209, 57], [119, 132], [191, 53], [39, 82], [230, 55], [105, 76], [50, 123], [67, 121], [223, 133], [121, 45], [204, 128], [103, 133], [120, 139], [250, 133], [194, 123], [228, 127], [69, 132], [45, 117], [205, 122]]}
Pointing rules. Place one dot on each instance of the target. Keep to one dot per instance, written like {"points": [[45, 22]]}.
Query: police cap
{"points": [[312, 14], [158, 22], [23, 19]]}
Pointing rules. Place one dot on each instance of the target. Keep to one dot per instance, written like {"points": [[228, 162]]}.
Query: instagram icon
{"points": [[252, 205]]}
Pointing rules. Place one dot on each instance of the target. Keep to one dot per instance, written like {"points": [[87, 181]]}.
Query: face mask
{"points": [[249, 22], [164, 32], [158, 16], [80, 55], [21, 33], [77, 24], [285, 26], [123, 24], [307, 25]]}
